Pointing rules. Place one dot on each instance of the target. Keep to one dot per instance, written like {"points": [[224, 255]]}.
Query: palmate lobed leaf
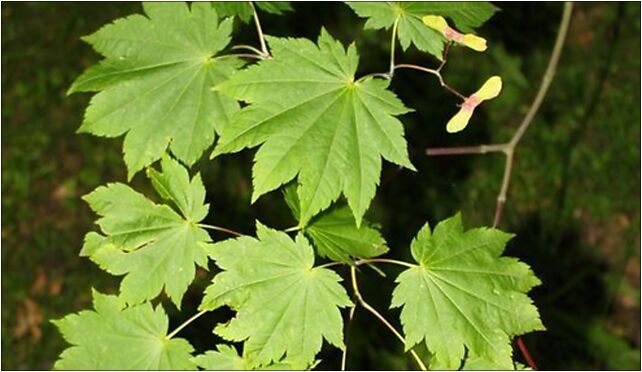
{"points": [[466, 15], [314, 121], [155, 82], [335, 233], [151, 244], [463, 294], [285, 306], [115, 338]]}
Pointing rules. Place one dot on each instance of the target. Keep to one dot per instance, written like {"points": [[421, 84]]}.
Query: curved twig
{"points": [[537, 102], [344, 356], [373, 311]]}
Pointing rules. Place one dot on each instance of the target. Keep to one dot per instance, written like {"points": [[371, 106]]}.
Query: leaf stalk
{"points": [[221, 229], [259, 31], [186, 323], [393, 43], [373, 311]]}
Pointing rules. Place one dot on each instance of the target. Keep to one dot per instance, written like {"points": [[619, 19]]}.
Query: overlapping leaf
{"points": [[411, 30], [151, 244], [335, 233], [243, 9], [463, 294], [113, 338], [155, 82], [285, 305], [313, 119]]}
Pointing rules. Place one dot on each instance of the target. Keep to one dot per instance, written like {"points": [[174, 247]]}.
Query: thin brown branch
{"points": [[373, 311], [501, 197], [526, 122], [432, 72], [466, 150], [344, 357], [537, 102], [445, 57], [548, 74]]}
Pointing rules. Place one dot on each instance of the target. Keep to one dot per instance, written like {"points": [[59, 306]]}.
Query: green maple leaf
{"points": [[243, 9], [466, 16], [312, 119], [153, 245], [226, 358], [155, 82], [335, 233], [285, 305], [462, 293], [115, 338]]}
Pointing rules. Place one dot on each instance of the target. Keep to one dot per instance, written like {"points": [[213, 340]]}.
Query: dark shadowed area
{"points": [[574, 200]]}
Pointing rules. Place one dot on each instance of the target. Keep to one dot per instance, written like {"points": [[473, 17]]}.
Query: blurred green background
{"points": [[574, 201]]}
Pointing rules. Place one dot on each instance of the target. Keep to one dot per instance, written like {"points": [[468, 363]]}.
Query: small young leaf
{"points": [[462, 293], [113, 338], [285, 305], [336, 235], [149, 243], [312, 119], [155, 82]]}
